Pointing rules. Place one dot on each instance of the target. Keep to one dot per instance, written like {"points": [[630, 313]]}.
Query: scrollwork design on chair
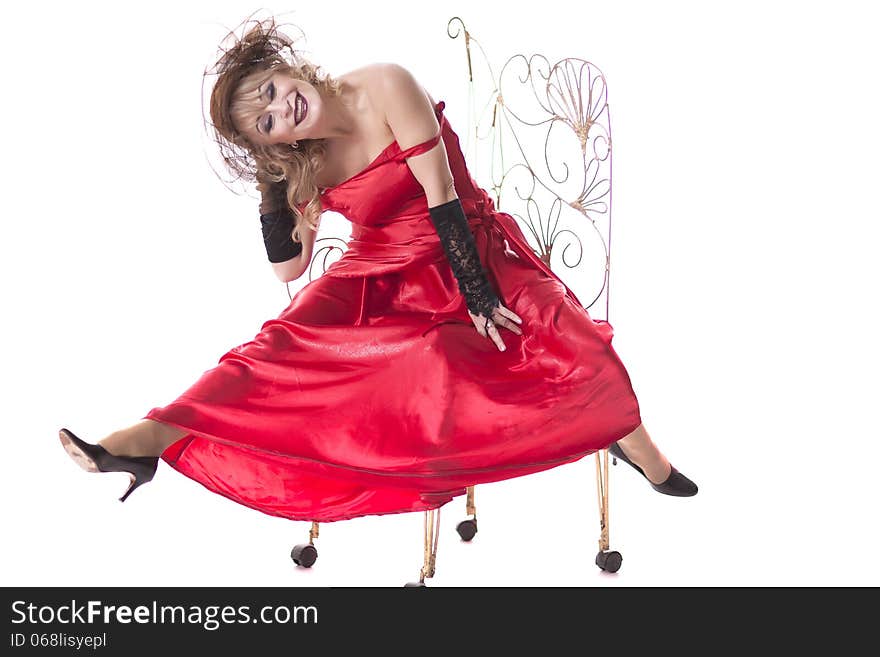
{"points": [[567, 107], [568, 110], [326, 250], [320, 255]]}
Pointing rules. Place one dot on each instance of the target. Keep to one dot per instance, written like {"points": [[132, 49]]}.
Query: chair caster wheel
{"points": [[609, 561], [467, 529], [304, 555], [408, 584]]}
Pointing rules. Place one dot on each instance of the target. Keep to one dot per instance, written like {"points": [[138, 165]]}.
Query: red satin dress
{"points": [[373, 393]]}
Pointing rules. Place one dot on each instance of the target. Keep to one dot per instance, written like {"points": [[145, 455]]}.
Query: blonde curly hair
{"points": [[244, 66]]}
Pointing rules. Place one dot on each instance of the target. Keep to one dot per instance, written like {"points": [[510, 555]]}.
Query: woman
{"points": [[437, 353]]}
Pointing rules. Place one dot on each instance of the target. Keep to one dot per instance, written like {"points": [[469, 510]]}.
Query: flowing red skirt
{"points": [[375, 394]]}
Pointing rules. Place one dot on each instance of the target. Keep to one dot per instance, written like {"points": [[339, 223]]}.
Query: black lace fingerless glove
{"points": [[277, 228], [276, 220], [461, 251]]}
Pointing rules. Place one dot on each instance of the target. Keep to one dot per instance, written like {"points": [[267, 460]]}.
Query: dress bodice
{"points": [[387, 191], [388, 211]]}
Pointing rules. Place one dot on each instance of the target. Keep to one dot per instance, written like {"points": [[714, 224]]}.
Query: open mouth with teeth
{"points": [[301, 107]]}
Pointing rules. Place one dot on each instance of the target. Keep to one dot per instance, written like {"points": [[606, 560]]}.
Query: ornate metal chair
{"points": [[518, 146], [540, 143]]}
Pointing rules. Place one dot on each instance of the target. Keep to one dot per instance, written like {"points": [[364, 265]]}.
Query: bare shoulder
{"points": [[408, 108], [385, 85], [386, 94], [389, 83], [399, 84]]}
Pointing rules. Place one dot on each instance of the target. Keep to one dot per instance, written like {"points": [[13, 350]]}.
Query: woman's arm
{"points": [[289, 259], [290, 270], [411, 117], [409, 111]]}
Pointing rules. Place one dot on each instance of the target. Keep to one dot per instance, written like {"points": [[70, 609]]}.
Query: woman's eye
{"points": [[269, 122], [270, 91]]}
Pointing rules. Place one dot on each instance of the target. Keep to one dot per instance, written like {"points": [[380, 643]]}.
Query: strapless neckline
{"points": [[324, 190]]}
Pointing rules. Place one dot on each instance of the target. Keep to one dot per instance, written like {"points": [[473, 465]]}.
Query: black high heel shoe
{"points": [[94, 458], [676, 483]]}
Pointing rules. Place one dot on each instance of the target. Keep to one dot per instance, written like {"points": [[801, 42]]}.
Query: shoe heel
{"points": [[141, 475], [135, 482]]}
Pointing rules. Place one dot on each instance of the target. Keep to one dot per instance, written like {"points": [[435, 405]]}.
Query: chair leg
{"points": [[467, 529], [306, 554], [432, 535], [607, 560]]}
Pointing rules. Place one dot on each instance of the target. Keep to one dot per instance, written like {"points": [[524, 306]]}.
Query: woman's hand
{"points": [[501, 316]]}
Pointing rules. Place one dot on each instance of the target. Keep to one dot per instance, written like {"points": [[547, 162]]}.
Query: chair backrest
{"points": [[540, 143]]}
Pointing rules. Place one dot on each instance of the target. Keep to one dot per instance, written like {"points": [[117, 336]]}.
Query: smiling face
{"points": [[272, 107]]}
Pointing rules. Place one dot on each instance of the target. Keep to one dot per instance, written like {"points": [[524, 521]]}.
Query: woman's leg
{"points": [[642, 451], [146, 438]]}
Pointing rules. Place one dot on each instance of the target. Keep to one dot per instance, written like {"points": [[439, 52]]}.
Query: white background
{"points": [[743, 293]]}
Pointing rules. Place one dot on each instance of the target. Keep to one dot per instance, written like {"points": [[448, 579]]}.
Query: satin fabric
{"points": [[373, 393]]}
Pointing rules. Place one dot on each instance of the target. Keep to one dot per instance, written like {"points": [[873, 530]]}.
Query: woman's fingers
{"points": [[480, 324], [496, 337], [506, 318], [507, 312], [486, 328], [501, 316], [506, 323]]}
